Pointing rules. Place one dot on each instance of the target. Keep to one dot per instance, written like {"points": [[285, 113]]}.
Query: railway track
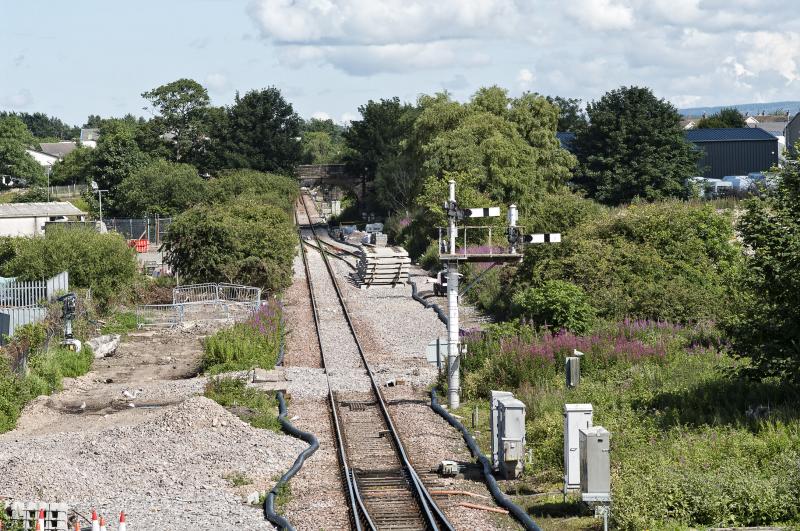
{"points": [[383, 489]]}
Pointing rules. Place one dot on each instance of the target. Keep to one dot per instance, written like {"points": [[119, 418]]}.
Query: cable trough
{"points": [[383, 489]]}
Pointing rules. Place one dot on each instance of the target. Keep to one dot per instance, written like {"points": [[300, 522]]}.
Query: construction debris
{"points": [[383, 265], [483, 508], [103, 346]]}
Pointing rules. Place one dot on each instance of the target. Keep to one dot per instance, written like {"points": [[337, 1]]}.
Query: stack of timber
{"points": [[382, 265]]}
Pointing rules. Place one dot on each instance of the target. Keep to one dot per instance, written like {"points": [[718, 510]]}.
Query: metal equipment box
{"points": [[511, 423], [595, 464], [576, 417], [494, 426], [573, 369]]}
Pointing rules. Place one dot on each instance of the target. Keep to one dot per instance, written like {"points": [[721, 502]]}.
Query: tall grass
{"points": [[247, 345], [251, 405], [691, 446]]}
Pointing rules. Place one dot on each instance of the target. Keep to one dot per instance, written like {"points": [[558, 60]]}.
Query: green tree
{"points": [[160, 187], [263, 132], [15, 138], [726, 118], [767, 325], [571, 116], [379, 135], [74, 168], [633, 147], [116, 157], [318, 148], [102, 262], [43, 126], [182, 107]]}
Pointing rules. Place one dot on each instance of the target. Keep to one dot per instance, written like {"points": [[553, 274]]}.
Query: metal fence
{"points": [[151, 229], [68, 190], [210, 292], [17, 294], [201, 302], [13, 318]]}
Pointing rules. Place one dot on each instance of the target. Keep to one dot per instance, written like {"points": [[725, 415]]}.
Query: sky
{"points": [[72, 59]]}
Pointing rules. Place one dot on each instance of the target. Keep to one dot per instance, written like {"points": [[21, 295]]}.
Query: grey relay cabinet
{"points": [[508, 434], [595, 464], [576, 417]]}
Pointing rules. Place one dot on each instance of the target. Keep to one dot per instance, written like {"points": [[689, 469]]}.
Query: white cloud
{"points": [[363, 37], [19, 100], [348, 117], [217, 82], [525, 78], [764, 51], [601, 15], [320, 115]]}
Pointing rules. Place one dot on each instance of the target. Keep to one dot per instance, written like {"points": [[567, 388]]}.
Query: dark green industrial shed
{"points": [[734, 151]]}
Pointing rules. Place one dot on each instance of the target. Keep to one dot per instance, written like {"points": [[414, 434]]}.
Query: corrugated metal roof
{"points": [[29, 210], [728, 135]]}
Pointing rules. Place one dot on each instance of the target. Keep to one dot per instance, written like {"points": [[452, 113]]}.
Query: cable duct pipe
{"points": [[516, 511], [269, 503]]}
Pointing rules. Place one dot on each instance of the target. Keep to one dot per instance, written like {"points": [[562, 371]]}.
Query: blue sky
{"points": [[72, 59]]}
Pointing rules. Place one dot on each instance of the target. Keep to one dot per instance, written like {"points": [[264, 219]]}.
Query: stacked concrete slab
{"points": [[55, 515], [382, 265]]}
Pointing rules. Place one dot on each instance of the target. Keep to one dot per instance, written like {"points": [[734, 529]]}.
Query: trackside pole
{"points": [[453, 364]]}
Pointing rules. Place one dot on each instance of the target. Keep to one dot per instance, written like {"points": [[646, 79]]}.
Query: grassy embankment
{"points": [[691, 445]]}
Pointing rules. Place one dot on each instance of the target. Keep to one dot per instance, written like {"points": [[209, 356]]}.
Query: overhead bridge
{"points": [[331, 175]]}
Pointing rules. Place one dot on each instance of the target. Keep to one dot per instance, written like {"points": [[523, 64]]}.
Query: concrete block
{"points": [[103, 346]]}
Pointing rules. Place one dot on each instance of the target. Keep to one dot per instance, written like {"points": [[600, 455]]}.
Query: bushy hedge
{"points": [[101, 262], [243, 241], [671, 261], [275, 189]]}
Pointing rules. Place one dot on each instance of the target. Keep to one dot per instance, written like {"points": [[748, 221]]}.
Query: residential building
{"points": [[58, 149], [29, 219], [45, 160], [793, 135], [734, 151]]}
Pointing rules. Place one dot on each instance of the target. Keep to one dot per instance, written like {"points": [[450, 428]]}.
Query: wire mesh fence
{"points": [[151, 229]]}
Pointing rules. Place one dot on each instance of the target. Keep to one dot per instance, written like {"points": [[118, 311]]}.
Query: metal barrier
{"points": [[151, 229], [201, 302], [21, 294], [210, 292], [13, 318], [68, 190]]}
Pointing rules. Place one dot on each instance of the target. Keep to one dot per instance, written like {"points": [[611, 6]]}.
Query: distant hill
{"points": [[753, 108]]}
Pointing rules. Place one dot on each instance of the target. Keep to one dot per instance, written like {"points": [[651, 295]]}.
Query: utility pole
{"points": [[100, 197]]}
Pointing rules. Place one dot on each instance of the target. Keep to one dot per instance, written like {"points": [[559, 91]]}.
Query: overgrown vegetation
{"points": [[691, 446], [101, 262], [46, 369], [251, 344], [254, 406]]}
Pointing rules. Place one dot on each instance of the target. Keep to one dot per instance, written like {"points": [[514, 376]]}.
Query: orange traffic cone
{"points": [[40, 520], [103, 524], [77, 525], [95, 523], [122, 525], [38, 525]]}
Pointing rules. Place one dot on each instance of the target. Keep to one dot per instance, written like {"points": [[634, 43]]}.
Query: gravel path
{"points": [[302, 348]]}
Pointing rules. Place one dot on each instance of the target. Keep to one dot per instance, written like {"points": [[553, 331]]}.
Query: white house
{"points": [[45, 160], [28, 219]]}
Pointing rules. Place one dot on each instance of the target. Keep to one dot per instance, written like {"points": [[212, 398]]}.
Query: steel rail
{"points": [[334, 413], [434, 517]]}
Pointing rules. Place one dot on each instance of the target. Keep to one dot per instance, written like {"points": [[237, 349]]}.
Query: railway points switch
{"points": [[595, 464], [576, 417], [508, 434]]}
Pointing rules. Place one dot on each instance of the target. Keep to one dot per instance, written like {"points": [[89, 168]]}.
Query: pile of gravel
{"points": [[167, 472]]}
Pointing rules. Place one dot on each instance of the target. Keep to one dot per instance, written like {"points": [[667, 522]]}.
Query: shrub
{"points": [[244, 242], [275, 189], [669, 261], [160, 187], [244, 346], [558, 304], [101, 262]]}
